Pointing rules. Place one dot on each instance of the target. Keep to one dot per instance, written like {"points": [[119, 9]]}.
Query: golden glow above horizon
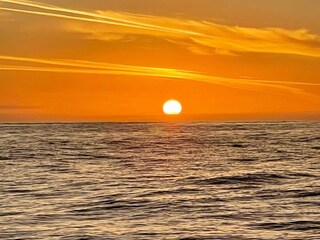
{"points": [[97, 60], [172, 107]]}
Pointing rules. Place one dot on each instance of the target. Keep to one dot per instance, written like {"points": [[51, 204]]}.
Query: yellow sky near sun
{"points": [[77, 63]]}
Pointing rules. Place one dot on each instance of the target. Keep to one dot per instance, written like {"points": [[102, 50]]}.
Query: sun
{"points": [[172, 107]]}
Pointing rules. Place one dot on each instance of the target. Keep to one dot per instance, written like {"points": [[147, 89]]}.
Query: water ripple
{"points": [[160, 181]]}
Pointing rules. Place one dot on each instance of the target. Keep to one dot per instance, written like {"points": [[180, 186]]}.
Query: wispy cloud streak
{"points": [[197, 36], [90, 67], [93, 17]]}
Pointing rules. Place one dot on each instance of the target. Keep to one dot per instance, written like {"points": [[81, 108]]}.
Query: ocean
{"points": [[200, 180]]}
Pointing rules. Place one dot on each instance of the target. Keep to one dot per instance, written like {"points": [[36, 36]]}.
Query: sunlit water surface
{"points": [[160, 181]]}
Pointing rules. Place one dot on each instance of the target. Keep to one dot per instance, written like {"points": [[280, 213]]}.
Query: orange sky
{"points": [[117, 60]]}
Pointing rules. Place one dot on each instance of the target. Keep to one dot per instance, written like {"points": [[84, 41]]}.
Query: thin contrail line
{"points": [[221, 39], [107, 20]]}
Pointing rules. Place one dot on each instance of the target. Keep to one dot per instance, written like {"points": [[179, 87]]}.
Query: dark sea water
{"points": [[160, 181]]}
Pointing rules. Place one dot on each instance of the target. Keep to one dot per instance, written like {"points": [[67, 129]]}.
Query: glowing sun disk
{"points": [[172, 107]]}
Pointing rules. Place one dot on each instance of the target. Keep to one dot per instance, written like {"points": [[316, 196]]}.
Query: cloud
{"points": [[13, 63], [200, 37]]}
